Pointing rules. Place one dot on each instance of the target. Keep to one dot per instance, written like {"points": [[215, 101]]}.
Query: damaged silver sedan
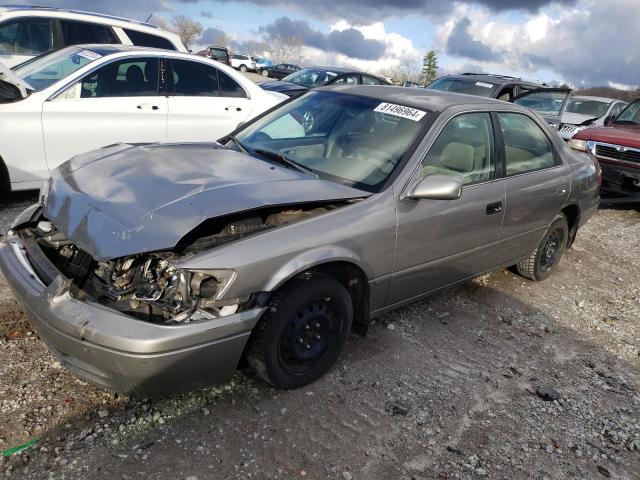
{"points": [[154, 268]]}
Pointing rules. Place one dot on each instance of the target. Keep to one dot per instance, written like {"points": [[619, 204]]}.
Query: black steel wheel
{"points": [[545, 258], [302, 333]]}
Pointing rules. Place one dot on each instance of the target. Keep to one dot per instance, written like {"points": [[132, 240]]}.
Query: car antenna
{"points": [[148, 18]]}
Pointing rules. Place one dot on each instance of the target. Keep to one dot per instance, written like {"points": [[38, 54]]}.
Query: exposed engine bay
{"points": [[149, 286]]}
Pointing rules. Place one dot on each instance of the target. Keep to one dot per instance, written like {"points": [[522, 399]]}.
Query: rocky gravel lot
{"points": [[499, 378]]}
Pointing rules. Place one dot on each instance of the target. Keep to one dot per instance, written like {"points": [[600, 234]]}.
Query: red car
{"points": [[617, 148]]}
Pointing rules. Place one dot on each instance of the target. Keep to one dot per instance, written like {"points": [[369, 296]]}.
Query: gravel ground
{"points": [[450, 387]]}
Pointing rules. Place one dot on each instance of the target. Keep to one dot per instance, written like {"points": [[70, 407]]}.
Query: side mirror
{"points": [[437, 187]]}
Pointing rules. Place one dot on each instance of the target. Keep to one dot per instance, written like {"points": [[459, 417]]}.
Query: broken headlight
{"points": [[153, 287]]}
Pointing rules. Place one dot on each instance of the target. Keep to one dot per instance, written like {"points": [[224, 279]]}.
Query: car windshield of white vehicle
{"points": [[353, 140], [631, 114], [593, 108], [458, 85], [310, 77], [48, 69]]}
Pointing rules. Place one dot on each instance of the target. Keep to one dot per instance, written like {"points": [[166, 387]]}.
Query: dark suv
{"points": [[548, 102], [220, 54]]}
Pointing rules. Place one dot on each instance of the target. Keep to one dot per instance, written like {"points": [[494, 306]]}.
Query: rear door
{"points": [[536, 181], [550, 103], [204, 102], [118, 102]]}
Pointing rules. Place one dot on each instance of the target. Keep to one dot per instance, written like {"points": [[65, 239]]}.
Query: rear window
{"points": [[142, 39]]}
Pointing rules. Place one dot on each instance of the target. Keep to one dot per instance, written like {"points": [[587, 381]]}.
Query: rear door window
{"points": [[142, 39], [75, 33], [195, 79], [229, 87], [527, 148], [27, 36]]}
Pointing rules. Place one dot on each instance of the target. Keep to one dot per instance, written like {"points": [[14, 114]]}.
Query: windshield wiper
{"points": [[282, 160]]}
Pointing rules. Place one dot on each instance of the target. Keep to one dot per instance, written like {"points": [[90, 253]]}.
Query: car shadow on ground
{"points": [[442, 388]]}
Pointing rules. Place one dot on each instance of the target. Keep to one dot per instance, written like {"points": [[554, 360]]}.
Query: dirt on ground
{"points": [[500, 377]]}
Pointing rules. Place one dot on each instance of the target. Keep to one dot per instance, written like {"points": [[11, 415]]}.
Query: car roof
{"points": [[420, 98], [493, 78], [57, 10], [597, 99]]}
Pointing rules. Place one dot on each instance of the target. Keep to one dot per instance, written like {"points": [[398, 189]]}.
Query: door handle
{"points": [[494, 208], [146, 105], [237, 109]]}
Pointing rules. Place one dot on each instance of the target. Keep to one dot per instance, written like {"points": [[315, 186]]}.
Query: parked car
{"points": [[279, 71], [80, 98], [549, 102], [26, 32], [219, 54], [262, 63], [243, 62], [409, 84], [149, 269], [617, 147], [303, 80], [584, 111]]}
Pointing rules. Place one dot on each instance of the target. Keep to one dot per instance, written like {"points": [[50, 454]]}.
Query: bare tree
{"points": [[187, 29], [285, 49]]}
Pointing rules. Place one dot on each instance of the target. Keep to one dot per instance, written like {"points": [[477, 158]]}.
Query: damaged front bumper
{"points": [[119, 352], [621, 181]]}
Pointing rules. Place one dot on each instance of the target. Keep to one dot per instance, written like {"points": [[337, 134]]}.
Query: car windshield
{"points": [[44, 71], [593, 108], [460, 85], [310, 77], [353, 140], [631, 114]]}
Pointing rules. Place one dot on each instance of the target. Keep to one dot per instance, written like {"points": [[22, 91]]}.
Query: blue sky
{"points": [[545, 40]]}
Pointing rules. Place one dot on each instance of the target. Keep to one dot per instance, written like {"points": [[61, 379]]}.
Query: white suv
{"points": [[26, 32], [243, 62]]}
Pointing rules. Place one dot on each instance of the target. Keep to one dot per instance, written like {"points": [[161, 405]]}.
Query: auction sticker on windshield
{"points": [[400, 111], [89, 55], [485, 85]]}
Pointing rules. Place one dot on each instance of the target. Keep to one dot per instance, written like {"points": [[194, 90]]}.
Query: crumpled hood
{"points": [[283, 87], [123, 200], [576, 118]]}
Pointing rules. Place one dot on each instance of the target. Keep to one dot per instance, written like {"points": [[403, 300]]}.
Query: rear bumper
{"points": [[116, 351]]}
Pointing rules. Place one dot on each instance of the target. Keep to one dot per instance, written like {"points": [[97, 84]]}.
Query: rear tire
{"points": [[243, 68], [543, 261], [302, 333], [264, 73]]}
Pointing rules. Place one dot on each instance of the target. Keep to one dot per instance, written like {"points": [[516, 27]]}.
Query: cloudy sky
{"points": [[581, 42]]}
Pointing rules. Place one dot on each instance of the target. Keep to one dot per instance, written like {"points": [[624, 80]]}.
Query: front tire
{"points": [[264, 73], [302, 333], [542, 262], [243, 68]]}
